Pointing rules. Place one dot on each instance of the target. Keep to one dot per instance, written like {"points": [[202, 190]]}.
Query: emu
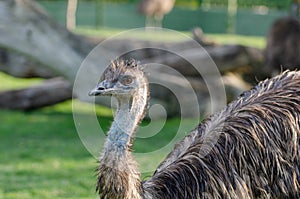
{"points": [[155, 9], [250, 149], [283, 45]]}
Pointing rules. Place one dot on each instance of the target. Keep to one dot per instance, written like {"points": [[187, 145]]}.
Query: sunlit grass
{"points": [[253, 41], [139, 33], [43, 157], [9, 82]]}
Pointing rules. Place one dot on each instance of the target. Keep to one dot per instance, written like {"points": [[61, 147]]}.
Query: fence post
{"points": [[232, 11], [99, 13], [71, 14]]}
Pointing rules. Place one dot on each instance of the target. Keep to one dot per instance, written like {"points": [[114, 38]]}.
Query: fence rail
{"points": [[278, 4]]}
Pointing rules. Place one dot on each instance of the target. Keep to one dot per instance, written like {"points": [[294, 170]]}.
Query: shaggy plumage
{"points": [[253, 149], [248, 150]]}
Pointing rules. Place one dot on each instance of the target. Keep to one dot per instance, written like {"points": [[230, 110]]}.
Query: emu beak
{"points": [[95, 92], [99, 89]]}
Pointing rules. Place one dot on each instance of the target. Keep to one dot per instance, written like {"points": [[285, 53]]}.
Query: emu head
{"points": [[120, 79]]}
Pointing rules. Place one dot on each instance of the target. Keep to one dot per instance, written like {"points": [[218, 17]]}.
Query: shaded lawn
{"points": [[42, 157]]}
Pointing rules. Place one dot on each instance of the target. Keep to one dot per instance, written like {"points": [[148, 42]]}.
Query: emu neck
{"points": [[122, 128], [128, 115], [119, 176]]}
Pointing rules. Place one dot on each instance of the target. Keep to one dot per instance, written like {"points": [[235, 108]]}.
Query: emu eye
{"points": [[126, 80]]}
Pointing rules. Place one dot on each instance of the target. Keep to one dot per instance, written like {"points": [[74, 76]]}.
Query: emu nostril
{"points": [[100, 88]]}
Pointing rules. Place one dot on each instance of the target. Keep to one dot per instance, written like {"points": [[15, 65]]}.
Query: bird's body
{"points": [[155, 9], [283, 45], [248, 150]]}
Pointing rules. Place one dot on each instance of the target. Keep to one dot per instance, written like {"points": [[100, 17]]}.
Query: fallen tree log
{"points": [[18, 65], [227, 58], [48, 93]]}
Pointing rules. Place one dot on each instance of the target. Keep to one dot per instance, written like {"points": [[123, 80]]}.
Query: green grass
{"points": [[9, 82], [43, 157], [254, 41], [139, 33]]}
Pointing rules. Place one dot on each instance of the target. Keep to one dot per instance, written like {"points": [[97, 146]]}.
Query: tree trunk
{"points": [[71, 14]]}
